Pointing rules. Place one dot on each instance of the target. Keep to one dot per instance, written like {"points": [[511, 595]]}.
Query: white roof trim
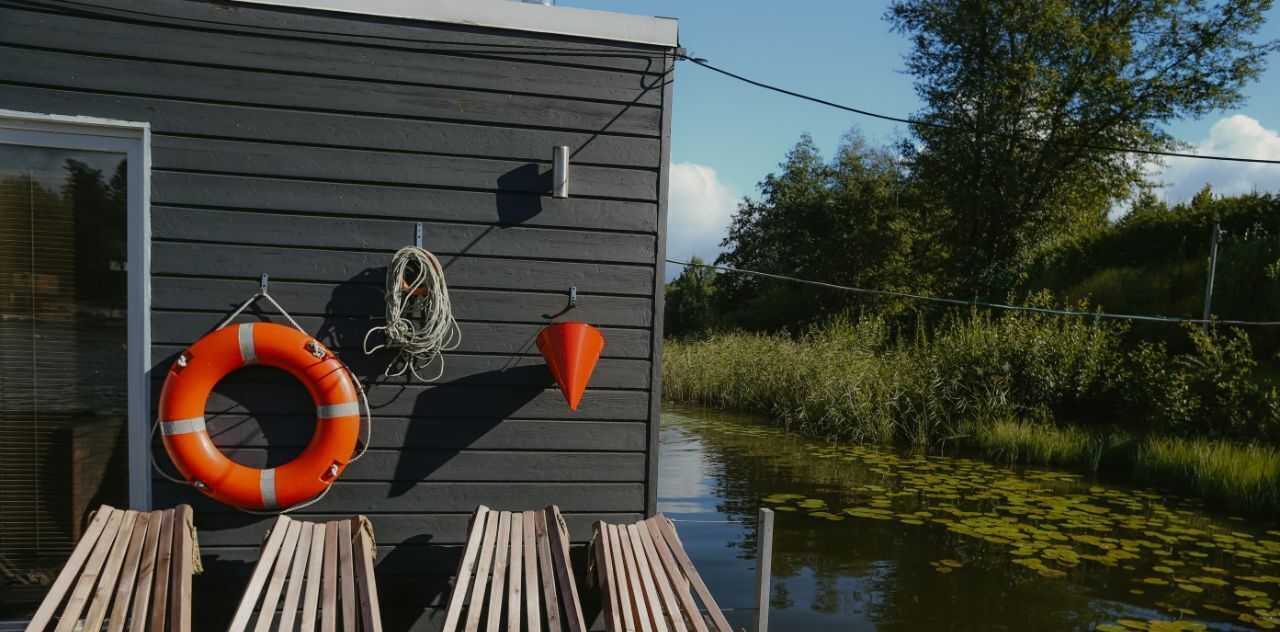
{"points": [[508, 14]]}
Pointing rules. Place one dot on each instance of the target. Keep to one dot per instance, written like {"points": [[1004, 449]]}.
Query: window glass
{"points": [[63, 363]]}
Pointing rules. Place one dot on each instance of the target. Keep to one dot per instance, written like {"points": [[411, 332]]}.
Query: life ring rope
{"points": [[197, 424]]}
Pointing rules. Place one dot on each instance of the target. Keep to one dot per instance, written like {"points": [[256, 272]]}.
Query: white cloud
{"points": [[699, 209], [1236, 135]]}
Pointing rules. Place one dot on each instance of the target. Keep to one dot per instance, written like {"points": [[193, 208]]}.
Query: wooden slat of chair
{"points": [[656, 608], [463, 577], [559, 535], [289, 612], [547, 570], [678, 582], [89, 576], [366, 582], [604, 577], [146, 573], [329, 585], [279, 572], [315, 561], [498, 583], [180, 580], [639, 609], [128, 574], [621, 581], [475, 606], [164, 561], [660, 526], [532, 611], [259, 577], [347, 577], [110, 573], [515, 572], [665, 583], [71, 570]]}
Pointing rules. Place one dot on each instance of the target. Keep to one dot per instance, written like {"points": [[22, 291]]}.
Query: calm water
{"points": [[874, 539]]}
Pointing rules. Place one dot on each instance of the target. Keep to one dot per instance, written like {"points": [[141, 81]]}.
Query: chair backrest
{"points": [[647, 581], [324, 570], [515, 574], [130, 570]]}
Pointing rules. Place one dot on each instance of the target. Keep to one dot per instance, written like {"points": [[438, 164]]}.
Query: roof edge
{"points": [[506, 14]]}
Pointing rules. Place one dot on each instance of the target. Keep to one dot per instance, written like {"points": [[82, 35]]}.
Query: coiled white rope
{"points": [[420, 323]]}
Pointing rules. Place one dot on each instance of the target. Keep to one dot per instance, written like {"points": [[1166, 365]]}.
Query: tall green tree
{"points": [[689, 308], [1083, 76], [854, 220]]}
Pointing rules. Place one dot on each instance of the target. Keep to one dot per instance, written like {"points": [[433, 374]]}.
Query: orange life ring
{"points": [[200, 367]]}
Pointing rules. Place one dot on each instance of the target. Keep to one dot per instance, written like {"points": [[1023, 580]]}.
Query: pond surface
{"points": [[869, 538]]}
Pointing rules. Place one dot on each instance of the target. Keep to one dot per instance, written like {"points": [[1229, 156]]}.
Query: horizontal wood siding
{"points": [[307, 145]]}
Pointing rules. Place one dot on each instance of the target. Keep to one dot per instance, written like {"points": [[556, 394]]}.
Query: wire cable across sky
{"points": [[999, 306], [918, 123]]}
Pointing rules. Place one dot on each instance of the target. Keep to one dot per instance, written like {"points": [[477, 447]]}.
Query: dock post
{"points": [[764, 568]]}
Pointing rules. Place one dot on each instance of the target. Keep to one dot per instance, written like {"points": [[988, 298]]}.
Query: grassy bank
{"points": [[1016, 388]]}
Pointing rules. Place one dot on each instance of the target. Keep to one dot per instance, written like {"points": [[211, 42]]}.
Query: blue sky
{"points": [[727, 135]]}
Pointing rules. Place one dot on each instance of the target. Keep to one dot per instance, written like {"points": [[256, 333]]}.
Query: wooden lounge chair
{"points": [[131, 569], [322, 566], [522, 575], [646, 578]]}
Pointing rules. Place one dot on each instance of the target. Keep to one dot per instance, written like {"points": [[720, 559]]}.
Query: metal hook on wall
{"points": [[573, 303]]}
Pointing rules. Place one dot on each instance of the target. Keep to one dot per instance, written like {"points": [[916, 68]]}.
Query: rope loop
{"points": [[420, 324]]}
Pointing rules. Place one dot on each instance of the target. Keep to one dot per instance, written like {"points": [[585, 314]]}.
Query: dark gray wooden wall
{"points": [[306, 145]]}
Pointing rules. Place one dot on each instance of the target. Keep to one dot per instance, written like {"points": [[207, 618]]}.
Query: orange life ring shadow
{"points": [[186, 392]]}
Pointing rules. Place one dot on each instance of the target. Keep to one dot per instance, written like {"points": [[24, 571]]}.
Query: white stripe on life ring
{"points": [[182, 426], [330, 411], [244, 333], [268, 486]]}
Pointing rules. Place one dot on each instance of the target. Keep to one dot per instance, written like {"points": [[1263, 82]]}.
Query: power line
{"points": [[931, 125], [1001, 306]]}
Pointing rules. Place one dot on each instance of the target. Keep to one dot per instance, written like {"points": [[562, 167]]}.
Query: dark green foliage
{"points": [[688, 307], [1085, 76]]}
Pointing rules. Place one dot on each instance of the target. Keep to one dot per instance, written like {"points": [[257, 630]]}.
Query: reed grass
{"points": [[1018, 390]]}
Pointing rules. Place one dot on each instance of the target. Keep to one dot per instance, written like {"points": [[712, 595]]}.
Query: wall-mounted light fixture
{"points": [[560, 172]]}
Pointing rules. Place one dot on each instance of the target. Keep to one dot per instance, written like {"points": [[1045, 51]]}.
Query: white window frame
{"points": [[134, 140]]}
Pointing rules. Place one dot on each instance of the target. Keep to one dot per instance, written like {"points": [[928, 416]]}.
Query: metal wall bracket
{"points": [[417, 235], [573, 303], [262, 284]]}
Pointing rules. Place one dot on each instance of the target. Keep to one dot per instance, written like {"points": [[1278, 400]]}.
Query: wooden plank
{"points": [[118, 76], [71, 570], [408, 36], [515, 561], [679, 583], [184, 547], [266, 558], [547, 572], [274, 160], [368, 63], [346, 576], [128, 574], [764, 567], [315, 561], [289, 612], [559, 537], [146, 573], [484, 563], [164, 567], [499, 574], [89, 576], [639, 606], [279, 572], [329, 601], [621, 580], [652, 598], [533, 613], [357, 497], [110, 573], [662, 526], [609, 600], [663, 582], [366, 581], [175, 116], [360, 273], [462, 578]]}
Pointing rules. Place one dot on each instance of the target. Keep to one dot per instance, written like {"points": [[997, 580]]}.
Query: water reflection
{"points": [[873, 539]]}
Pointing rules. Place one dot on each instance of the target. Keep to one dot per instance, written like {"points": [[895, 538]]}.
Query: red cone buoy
{"points": [[571, 351]]}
